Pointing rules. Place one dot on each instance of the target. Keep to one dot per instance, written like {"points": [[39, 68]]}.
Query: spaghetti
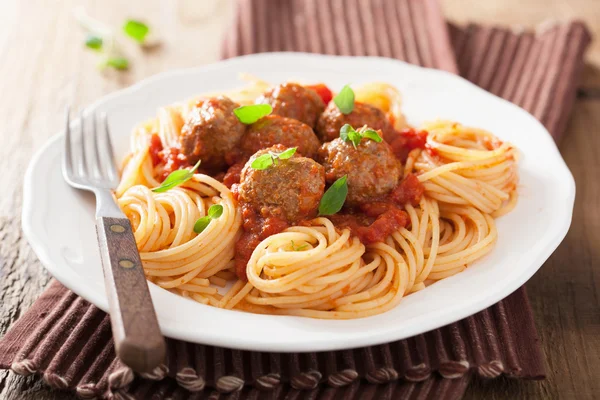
{"points": [[315, 268]]}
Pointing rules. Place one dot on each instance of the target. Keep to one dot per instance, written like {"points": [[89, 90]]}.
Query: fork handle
{"points": [[138, 340]]}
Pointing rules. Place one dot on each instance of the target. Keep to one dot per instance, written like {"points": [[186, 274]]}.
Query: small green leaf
{"points": [[334, 198], [252, 113], [348, 134], [298, 248], [355, 138], [287, 154], [371, 134], [345, 100], [119, 63], [346, 129], [202, 223], [176, 178], [215, 211], [93, 42], [263, 162], [136, 30]]}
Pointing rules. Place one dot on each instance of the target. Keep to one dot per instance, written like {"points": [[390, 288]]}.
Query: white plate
{"points": [[59, 221]]}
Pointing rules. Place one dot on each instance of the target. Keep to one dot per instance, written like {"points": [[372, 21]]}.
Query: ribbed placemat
{"points": [[69, 342], [434, 387], [538, 71]]}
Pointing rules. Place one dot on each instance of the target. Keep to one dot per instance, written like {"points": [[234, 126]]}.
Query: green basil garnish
{"points": [[94, 42], [136, 30], [344, 100], [287, 154], [298, 248], [252, 113], [349, 134], [371, 134], [117, 63], [214, 212], [334, 198], [262, 162], [270, 158], [176, 178]]}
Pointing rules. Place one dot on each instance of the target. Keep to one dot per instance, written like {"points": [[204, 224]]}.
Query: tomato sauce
{"points": [[233, 175], [408, 139], [323, 92], [173, 160], [374, 221], [255, 229], [171, 157], [155, 149], [410, 190]]}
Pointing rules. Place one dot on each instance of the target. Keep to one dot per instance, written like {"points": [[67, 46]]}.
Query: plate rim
{"points": [[464, 311]]}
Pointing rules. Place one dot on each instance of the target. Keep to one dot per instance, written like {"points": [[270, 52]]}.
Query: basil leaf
{"points": [[348, 134], [176, 178], [287, 154], [93, 42], [355, 138], [215, 211], [136, 30], [346, 129], [250, 114], [334, 198], [345, 100], [298, 248], [201, 224], [262, 162], [117, 63], [373, 135]]}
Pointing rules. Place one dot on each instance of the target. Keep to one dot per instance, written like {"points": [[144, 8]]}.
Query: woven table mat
{"points": [[538, 71], [68, 341]]}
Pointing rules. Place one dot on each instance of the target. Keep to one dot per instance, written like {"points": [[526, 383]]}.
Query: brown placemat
{"points": [[434, 387], [69, 342], [538, 71]]}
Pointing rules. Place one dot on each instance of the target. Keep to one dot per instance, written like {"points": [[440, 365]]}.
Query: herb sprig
{"points": [[214, 212], [176, 178], [344, 100], [136, 30], [103, 40], [300, 247], [349, 134], [250, 114], [94, 42], [271, 158], [333, 199]]}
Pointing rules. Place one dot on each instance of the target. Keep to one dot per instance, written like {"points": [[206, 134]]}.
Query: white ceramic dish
{"points": [[59, 221]]}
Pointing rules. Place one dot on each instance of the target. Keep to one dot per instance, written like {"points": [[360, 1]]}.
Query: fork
{"points": [[137, 337]]}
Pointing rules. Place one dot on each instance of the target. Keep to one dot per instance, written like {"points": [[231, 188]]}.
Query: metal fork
{"points": [[138, 340]]}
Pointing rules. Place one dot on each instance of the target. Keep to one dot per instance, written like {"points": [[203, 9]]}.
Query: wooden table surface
{"points": [[45, 67]]}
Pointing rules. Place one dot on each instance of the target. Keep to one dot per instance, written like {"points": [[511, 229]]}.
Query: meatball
{"points": [[273, 129], [294, 101], [332, 120], [211, 131], [372, 169], [289, 189]]}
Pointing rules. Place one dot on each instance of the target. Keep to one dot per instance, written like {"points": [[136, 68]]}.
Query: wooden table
{"points": [[45, 67]]}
